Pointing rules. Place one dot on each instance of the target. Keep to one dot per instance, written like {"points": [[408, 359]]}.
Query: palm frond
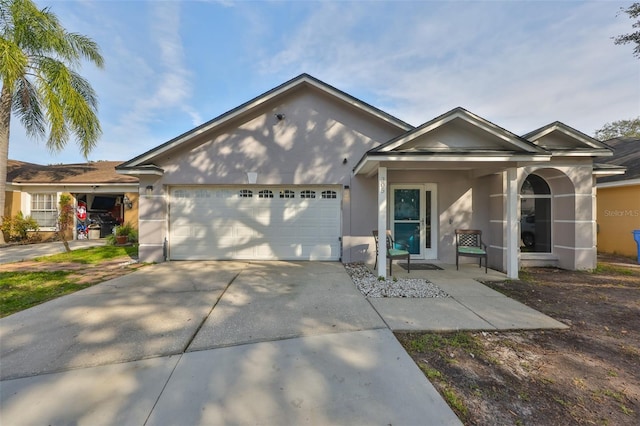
{"points": [[13, 62], [26, 105], [85, 47]]}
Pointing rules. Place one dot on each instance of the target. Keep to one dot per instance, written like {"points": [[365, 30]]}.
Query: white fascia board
{"points": [[465, 158], [585, 153], [140, 171], [368, 162], [609, 172], [76, 187], [567, 132], [618, 183]]}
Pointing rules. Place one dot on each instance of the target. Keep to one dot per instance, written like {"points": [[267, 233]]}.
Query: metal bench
{"points": [[469, 244], [392, 252]]}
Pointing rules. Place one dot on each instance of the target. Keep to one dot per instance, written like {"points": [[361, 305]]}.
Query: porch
{"points": [[471, 305]]}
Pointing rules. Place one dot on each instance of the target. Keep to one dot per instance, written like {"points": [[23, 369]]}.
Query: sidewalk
{"points": [[18, 253]]}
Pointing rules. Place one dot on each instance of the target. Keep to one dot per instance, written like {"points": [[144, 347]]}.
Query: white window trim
{"points": [[25, 205]]}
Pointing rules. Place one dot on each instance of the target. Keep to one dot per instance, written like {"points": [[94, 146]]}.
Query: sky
{"points": [[172, 65]]}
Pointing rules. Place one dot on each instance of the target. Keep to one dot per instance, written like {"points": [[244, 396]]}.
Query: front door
{"points": [[414, 219]]}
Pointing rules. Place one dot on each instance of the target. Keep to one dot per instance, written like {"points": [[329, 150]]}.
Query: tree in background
{"points": [[634, 37], [619, 129], [40, 85], [65, 219]]}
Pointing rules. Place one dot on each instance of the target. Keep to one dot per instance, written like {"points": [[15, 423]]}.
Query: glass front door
{"points": [[413, 219]]}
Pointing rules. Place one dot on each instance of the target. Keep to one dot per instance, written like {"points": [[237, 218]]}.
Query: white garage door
{"points": [[251, 222]]}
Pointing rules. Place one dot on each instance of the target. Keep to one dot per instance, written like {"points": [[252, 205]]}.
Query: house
{"points": [[307, 172], [619, 199], [35, 191]]}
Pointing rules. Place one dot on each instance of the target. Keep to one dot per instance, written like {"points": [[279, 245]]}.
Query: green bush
{"points": [[17, 228], [126, 229]]}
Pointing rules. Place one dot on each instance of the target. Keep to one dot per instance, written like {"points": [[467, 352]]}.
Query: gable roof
{"points": [[99, 172], [140, 164], [459, 113], [504, 146], [626, 154], [580, 143]]}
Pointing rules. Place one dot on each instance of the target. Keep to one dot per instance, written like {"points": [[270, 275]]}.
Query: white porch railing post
{"points": [[512, 223], [382, 221]]}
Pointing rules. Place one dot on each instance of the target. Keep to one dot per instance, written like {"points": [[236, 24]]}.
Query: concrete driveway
{"points": [[212, 343]]}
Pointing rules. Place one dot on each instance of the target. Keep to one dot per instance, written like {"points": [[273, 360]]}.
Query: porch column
{"points": [[512, 223], [382, 222]]}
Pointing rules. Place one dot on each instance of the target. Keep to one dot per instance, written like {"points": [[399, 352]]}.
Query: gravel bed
{"points": [[370, 286]]}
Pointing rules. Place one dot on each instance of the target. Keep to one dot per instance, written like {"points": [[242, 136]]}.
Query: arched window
{"points": [[535, 215]]}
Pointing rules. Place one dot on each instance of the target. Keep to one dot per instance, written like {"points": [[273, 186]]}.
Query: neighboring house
{"points": [[35, 191], [619, 199], [306, 172]]}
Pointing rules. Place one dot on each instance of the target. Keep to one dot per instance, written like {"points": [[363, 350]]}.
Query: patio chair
{"points": [[469, 244], [393, 252]]}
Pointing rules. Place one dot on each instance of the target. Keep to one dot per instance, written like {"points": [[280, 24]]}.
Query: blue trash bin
{"points": [[636, 236]]}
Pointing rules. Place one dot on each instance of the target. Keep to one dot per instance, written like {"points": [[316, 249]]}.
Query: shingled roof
{"points": [[626, 152], [98, 172]]}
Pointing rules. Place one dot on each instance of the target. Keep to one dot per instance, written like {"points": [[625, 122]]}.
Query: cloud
{"points": [[173, 87], [518, 64]]}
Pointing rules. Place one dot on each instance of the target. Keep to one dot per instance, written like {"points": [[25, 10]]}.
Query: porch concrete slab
{"points": [[281, 300], [428, 314], [362, 377], [465, 287], [119, 394], [507, 314], [154, 311]]}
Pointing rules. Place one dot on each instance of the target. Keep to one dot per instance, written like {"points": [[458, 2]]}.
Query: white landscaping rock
{"points": [[370, 286]]}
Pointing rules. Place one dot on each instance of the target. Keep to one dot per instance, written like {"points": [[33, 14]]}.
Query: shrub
{"points": [[126, 229], [17, 228]]}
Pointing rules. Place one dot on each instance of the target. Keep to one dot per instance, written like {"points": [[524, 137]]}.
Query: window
{"points": [[245, 193], [44, 209], [265, 193], [535, 215], [287, 193], [307, 194], [329, 194]]}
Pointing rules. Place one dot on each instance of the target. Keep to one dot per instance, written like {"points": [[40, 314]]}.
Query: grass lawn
{"points": [[23, 288], [91, 255]]}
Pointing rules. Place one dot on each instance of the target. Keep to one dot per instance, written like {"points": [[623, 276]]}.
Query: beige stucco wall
{"points": [[618, 214], [11, 203]]}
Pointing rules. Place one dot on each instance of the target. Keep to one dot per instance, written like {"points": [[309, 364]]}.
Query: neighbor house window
{"points": [[44, 209], [535, 215]]}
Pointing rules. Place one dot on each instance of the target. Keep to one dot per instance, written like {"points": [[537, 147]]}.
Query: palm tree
{"points": [[38, 58]]}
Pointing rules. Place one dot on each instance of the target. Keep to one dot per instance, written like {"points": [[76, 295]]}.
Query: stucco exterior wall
{"points": [[461, 203], [12, 203], [618, 214], [572, 234], [318, 141]]}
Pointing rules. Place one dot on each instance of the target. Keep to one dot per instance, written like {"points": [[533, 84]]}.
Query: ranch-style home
{"points": [[307, 172], [107, 197]]}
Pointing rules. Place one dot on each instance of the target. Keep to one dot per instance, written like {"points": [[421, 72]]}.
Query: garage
{"points": [[254, 223]]}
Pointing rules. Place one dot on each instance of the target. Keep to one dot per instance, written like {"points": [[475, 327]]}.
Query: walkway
{"points": [[202, 343]]}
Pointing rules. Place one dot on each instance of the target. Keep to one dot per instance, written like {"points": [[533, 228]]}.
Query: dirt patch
{"points": [[83, 274], [588, 374]]}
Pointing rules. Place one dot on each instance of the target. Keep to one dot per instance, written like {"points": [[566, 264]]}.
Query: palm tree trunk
{"points": [[5, 121]]}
